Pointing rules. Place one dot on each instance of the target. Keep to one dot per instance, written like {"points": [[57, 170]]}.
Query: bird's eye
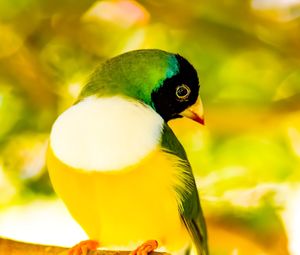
{"points": [[182, 92]]}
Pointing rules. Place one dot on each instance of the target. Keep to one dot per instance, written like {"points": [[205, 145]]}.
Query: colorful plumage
{"points": [[117, 165]]}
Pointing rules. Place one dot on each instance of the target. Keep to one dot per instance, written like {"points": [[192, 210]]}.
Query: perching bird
{"points": [[117, 165]]}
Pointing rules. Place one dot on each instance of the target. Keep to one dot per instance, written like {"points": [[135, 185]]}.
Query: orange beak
{"points": [[195, 112]]}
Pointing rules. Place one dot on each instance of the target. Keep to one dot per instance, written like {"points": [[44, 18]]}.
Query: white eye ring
{"points": [[183, 91]]}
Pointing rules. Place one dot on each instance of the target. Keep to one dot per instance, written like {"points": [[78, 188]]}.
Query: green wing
{"points": [[190, 209]]}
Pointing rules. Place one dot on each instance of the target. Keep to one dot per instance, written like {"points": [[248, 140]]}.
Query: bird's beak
{"points": [[195, 112]]}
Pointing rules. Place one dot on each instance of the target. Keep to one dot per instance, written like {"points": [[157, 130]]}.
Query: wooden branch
{"points": [[11, 247]]}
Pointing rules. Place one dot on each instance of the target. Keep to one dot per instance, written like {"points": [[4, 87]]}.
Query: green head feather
{"points": [[134, 74]]}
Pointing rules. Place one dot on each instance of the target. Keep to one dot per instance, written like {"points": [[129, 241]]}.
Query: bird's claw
{"points": [[145, 248], [84, 247]]}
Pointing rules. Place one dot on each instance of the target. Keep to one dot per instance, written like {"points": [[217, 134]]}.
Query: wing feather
{"points": [[189, 207]]}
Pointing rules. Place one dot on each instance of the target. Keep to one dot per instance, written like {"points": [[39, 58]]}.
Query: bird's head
{"points": [[166, 82]]}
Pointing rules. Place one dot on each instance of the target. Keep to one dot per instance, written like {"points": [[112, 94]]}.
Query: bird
{"points": [[118, 166]]}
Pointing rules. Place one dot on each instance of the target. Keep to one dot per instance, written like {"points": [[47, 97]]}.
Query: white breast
{"points": [[105, 134]]}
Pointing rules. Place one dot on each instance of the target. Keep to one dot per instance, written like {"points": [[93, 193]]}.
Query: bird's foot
{"points": [[145, 248], [83, 247]]}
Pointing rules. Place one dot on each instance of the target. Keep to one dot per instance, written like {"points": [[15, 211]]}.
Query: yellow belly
{"points": [[125, 208]]}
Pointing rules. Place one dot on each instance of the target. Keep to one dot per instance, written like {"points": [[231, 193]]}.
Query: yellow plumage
{"points": [[124, 208]]}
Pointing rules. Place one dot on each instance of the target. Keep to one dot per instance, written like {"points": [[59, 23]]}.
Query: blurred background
{"points": [[247, 157]]}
